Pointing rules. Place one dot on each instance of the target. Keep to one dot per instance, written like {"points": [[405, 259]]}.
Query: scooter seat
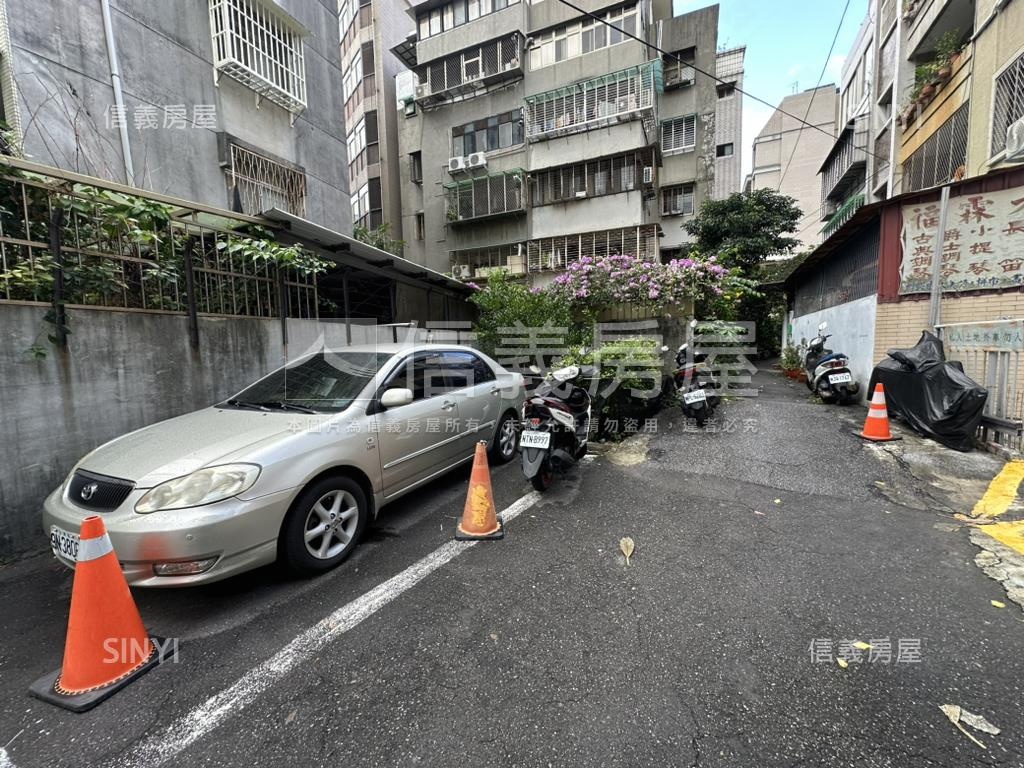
{"points": [[829, 356]]}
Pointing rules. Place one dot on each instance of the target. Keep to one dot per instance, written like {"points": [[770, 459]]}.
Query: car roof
{"points": [[394, 349]]}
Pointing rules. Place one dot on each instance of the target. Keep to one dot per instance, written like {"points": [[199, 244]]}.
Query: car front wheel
{"points": [[324, 525]]}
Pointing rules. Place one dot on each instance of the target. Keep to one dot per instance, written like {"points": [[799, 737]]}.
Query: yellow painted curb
{"points": [[1001, 491], [1010, 534]]}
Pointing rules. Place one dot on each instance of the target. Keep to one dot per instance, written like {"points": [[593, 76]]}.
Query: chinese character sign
{"points": [[993, 336], [982, 245]]}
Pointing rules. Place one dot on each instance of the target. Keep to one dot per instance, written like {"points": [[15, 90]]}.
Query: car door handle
{"points": [[495, 390], [447, 405]]}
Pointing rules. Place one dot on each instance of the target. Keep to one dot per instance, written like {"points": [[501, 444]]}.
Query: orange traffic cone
{"points": [[479, 518], [107, 645], [876, 425]]}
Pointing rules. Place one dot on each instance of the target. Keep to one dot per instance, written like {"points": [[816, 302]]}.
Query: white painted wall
{"points": [[852, 326]]}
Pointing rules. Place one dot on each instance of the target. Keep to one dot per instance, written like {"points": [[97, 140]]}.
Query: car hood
{"points": [[181, 445]]}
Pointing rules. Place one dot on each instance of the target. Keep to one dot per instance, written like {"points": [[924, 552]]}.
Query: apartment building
{"points": [[369, 30], [729, 122], [788, 154], [232, 103], [961, 112], [534, 135]]}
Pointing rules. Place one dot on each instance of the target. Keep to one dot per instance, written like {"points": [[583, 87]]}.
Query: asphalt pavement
{"points": [[765, 545]]}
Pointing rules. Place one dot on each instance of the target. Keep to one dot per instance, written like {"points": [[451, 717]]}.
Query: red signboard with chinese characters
{"points": [[982, 246]]}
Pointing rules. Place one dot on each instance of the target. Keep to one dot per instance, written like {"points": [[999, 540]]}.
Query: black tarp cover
{"points": [[935, 397]]}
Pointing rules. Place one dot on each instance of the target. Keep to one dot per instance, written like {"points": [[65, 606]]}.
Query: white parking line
{"points": [[187, 729]]}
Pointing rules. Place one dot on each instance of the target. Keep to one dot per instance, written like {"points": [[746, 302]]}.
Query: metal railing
{"points": [[992, 353], [468, 72], [940, 157], [628, 94], [881, 152], [479, 263], [1008, 103], [555, 253], [74, 241], [846, 159], [263, 183], [485, 196]]}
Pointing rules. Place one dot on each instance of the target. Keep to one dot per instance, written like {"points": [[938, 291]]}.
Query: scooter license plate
{"points": [[839, 378], [533, 439], [696, 396]]}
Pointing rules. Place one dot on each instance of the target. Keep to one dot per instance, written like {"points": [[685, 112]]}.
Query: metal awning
{"points": [[406, 51], [349, 252]]}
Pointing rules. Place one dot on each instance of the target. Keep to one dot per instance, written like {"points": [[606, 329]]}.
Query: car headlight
{"points": [[204, 486]]}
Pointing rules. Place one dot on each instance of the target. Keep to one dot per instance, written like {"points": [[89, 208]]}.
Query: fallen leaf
{"points": [[494, 637], [842, 663], [778, 501], [972, 521], [627, 546], [861, 645], [762, 514], [978, 722], [291, 716], [998, 604], [956, 714]]}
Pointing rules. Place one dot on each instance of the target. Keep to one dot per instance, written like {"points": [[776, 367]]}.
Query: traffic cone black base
{"points": [[47, 687], [460, 535]]}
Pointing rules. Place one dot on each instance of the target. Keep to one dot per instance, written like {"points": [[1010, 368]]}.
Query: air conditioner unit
{"points": [[1015, 141], [462, 271], [477, 160], [581, 194], [422, 90], [649, 175], [456, 164]]}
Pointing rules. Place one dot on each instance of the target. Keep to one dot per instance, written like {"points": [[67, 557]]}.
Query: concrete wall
{"points": [[122, 371], [775, 144], [729, 124], [852, 326], [165, 49]]}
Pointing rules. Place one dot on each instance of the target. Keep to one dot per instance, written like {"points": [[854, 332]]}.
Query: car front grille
{"points": [[98, 492]]}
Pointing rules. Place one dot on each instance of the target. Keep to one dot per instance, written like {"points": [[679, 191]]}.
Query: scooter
{"points": [[555, 425], [695, 385], [828, 372]]}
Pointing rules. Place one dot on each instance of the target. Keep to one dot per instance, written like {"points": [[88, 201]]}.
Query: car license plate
{"points": [[839, 378], [696, 396], [64, 543], [533, 439]]}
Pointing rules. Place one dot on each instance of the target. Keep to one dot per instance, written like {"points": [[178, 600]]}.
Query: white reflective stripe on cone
{"points": [[879, 414], [94, 549], [878, 399]]}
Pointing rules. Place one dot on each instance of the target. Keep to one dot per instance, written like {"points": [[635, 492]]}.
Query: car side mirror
{"points": [[394, 398]]}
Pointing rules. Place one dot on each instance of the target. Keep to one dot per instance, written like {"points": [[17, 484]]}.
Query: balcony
{"points": [[471, 72], [843, 214], [479, 263], [556, 253], [484, 197], [844, 166], [622, 96], [931, 20]]}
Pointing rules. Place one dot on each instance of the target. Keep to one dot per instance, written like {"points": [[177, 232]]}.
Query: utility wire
{"points": [[810, 102], [717, 79]]}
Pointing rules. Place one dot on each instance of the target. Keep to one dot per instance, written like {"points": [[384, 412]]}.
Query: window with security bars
{"points": [[605, 176], [679, 134], [474, 64], [941, 157], [485, 196], [256, 43], [262, 183], [1008, 105], [577, 38], [678, 68], [554, 253], [624, 95], [677, 200], [849, 273], [480, 262]]}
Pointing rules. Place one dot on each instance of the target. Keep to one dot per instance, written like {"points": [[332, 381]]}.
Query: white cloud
{"points": [[834, 70]]}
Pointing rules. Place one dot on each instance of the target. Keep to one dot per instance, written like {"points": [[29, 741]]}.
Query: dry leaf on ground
{"points": [[627, 546]]}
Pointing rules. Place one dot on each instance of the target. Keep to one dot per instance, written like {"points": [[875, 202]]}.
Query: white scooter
{"points": [[828, 372]]}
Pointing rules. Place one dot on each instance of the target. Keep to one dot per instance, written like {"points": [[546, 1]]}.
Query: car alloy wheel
{"points": [[505, 440], [323, 525], [331, 524]]}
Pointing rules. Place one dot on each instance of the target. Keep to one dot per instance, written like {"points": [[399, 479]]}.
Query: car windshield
{"points": [[326, 381]]}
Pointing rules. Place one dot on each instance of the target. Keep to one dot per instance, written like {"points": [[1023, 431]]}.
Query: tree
{"points": [[746, 227], [380, 238]]}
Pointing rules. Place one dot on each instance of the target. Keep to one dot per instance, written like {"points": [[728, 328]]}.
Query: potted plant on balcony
{"points": [[947, 53], [909, 10]]}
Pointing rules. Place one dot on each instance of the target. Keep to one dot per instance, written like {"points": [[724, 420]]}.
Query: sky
{"points": [[787, 46]]}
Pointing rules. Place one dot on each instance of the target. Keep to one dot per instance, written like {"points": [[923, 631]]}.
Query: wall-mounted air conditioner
{"points": [[477, 160], [456, 164], [581, 194], [422, 90], [649, 175], [1015, 141], [462, 271]]}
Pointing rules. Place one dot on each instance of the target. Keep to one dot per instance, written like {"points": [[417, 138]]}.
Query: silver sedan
{"points": [[292, 468]]}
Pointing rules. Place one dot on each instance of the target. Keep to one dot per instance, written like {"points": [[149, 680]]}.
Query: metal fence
{"points": [[483, 196], [847, 275], [74, 241], [554, 253], [992, 353], [940, 157]]}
